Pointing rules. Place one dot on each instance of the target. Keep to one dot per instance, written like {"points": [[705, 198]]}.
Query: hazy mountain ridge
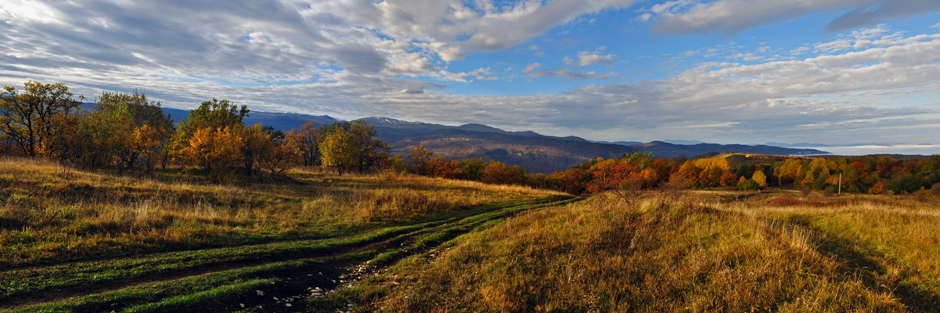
{"points": [[668, 150], [533, 151]]}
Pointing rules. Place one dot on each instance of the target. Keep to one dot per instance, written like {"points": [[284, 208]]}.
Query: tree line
{"points": [[127, 131]]}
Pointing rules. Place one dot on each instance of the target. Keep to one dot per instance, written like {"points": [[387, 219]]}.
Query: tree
{"points": [[307, 140], [760, 178], [338, 149], [419, 161], [748, 184], [729, 179], [495, 172], [148, 145], [26, 118], [373, 153], [142, 112], [213, 114], [256, 145], [216, 150], [368, 153]]}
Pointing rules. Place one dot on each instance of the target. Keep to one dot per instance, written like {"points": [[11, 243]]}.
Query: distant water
{"points": [[878, 149]]}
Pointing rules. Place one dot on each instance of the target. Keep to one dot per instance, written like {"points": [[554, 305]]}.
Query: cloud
{"points": [[565, 73], [417, 87], [589, 58], [733, 16]]}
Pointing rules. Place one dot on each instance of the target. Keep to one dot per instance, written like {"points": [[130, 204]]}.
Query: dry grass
{"points": [[51, 213], [685, 252]]}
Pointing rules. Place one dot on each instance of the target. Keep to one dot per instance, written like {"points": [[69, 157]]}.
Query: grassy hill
{"points": [[86, 241]]}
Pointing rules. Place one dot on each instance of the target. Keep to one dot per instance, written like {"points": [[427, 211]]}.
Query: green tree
{"points": [[142, 112], [27, 117]]}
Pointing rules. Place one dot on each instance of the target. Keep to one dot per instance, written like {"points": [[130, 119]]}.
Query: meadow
{"points": [[311, 241], [699, 251]]}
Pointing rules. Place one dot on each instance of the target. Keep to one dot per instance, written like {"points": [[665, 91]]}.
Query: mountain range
{"points": [[535, 152]]}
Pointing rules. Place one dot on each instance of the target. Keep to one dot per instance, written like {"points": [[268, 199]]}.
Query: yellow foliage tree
{"points": [[760, 178], [147, 142], [256, 145], [338, 149], [215, 150], [708, 163]]}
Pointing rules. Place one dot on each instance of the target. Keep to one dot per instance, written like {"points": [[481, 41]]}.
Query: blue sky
{"points": [[725, 71]]}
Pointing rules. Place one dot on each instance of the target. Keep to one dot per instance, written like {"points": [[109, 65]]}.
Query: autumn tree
{"points": [[353, 145], [338, 149], [760, 178], [141, 112], [625, 176], [147, 143], [307, 141], [419, 161], [213, 114], [26, 117], [217, 150], [256, 145], [495, 172]]}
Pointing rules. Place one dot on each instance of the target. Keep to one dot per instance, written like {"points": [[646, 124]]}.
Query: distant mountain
{"points": [[530, 150], [622, 143], [537, 154], [668, 150], [281, 121], [682, 142]]}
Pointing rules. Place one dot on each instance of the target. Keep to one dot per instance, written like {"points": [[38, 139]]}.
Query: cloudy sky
{"points": [[726, 71]]}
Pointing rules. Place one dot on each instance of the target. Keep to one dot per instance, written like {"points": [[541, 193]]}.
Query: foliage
{"points": [[338, 150], [307, 142], [215, 150], [353, 146], [26, 117]]}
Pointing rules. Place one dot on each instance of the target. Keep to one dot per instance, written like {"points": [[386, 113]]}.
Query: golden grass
{"points": [[53, 213], [685, 253]]}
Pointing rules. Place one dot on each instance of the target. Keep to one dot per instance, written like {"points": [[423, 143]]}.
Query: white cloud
{"points": [[531, 67], [733, 16], [589, 58]]}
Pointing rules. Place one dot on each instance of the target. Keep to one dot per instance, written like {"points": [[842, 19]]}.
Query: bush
{"points": [[748, 184]]}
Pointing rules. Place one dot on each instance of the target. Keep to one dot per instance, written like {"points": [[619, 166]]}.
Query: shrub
{"points": [[748, 184]]}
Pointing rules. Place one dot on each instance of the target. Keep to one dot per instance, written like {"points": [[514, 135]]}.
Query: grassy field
{"points": [[79, 241], [695, 252]]}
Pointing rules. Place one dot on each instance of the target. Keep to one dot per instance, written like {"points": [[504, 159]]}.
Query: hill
{"points": [[535, 152]]}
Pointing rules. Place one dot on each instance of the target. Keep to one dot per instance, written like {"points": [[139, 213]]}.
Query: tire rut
{"points": [[329, 257]]}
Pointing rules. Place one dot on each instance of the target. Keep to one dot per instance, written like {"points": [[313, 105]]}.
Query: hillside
{"points": [[537, 154]]}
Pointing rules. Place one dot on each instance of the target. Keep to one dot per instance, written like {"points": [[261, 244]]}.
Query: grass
{"points": [[693, 253], [174, 243], [51, 213]]}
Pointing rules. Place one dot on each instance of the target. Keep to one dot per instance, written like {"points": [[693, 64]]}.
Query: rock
{"points": [[287, 304], [241, 305], [260, 293], [275, 298]]}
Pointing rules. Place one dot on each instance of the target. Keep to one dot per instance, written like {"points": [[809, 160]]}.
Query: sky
{"points": [[722, 71]]}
